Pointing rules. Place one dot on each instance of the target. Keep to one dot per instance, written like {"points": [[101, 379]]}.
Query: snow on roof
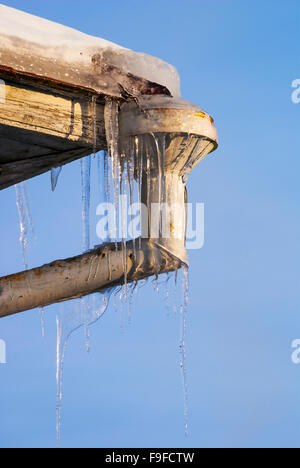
{"points": [[40, 47]]}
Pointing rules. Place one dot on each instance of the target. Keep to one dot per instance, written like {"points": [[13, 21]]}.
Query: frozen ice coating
{"points": [[37, 46]]}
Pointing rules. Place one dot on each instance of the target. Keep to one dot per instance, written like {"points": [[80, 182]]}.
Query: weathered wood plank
{"points": [[67, 117], [41, 128], [94, 271]]}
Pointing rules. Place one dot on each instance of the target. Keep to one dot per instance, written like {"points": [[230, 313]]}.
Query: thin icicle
{"points": [[159, 167], [167, 293], [94, 104], [85, 307], [175, 291], [106, 187], [23, 223], [111, 118], [133, 290], [86, 196], [86, 201], [25, 219], [118, 293], [28, 211], [148, 190], [139, 162], [183, 312], [42, 316], [55, 173], [68, 321], [100, 175], [60, 354], [130, 176], [123, 224], [121, 303]]}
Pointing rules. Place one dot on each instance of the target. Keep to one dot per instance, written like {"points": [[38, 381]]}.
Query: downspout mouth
{"points": [[169, 137]]}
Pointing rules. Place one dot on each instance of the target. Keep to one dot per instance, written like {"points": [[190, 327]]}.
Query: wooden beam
{"points": [[46, 123], [42, 128], [50, 113], [95, 271]]}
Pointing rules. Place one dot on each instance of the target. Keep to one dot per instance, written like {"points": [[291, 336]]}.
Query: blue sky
{"points": [[237, 59]]}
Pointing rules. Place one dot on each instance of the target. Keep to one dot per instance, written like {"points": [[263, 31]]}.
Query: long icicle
{"points": [[94, 105], [25, 219], [139, 157], [130, 177], [111, 118], [60, 351], [86, 197], [183, 312], [28, 211], [42, 316], [123, 222], [68, 321], [23, 222], [86, 201]]}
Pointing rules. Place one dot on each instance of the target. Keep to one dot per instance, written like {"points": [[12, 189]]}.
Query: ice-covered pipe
{"points": [[169, 136]]}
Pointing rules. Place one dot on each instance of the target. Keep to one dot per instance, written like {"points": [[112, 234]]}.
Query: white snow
{"points": [[25, 36], [44, 32]]}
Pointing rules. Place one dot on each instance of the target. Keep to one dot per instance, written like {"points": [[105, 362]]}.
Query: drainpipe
{"points": [[171, 137]]}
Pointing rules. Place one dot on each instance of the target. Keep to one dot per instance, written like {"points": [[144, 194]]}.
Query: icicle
{"points": [[123, 225], [55, 173], [111, 117], [94, 105], [69, 320], [25, 219], [106, 178], [183, 312], [86, 195], [100, 158], [167, 293], [104, 183], [118, 292], [121, 303], [130, 176], [23, 223], [28, 211], [85, 307], [139, 162], [160, 194], [60, 355], [42, 316], [133, 290], [162, 178], [155, 284], [148, 189], [175, 306]]}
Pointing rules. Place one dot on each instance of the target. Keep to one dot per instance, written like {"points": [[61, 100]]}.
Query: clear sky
{"points": [[237, 59]]}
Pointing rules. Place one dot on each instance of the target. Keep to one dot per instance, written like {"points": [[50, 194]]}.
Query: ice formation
{"points": [[25, 220], [131, 174], [125, 176], [183, 315], [86, 199], [72, 317], [40, 47], [55, 173], [26, 231], [42, 316]]}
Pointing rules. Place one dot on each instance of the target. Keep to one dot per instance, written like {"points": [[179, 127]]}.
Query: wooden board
{"points": [[43, 126]]}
